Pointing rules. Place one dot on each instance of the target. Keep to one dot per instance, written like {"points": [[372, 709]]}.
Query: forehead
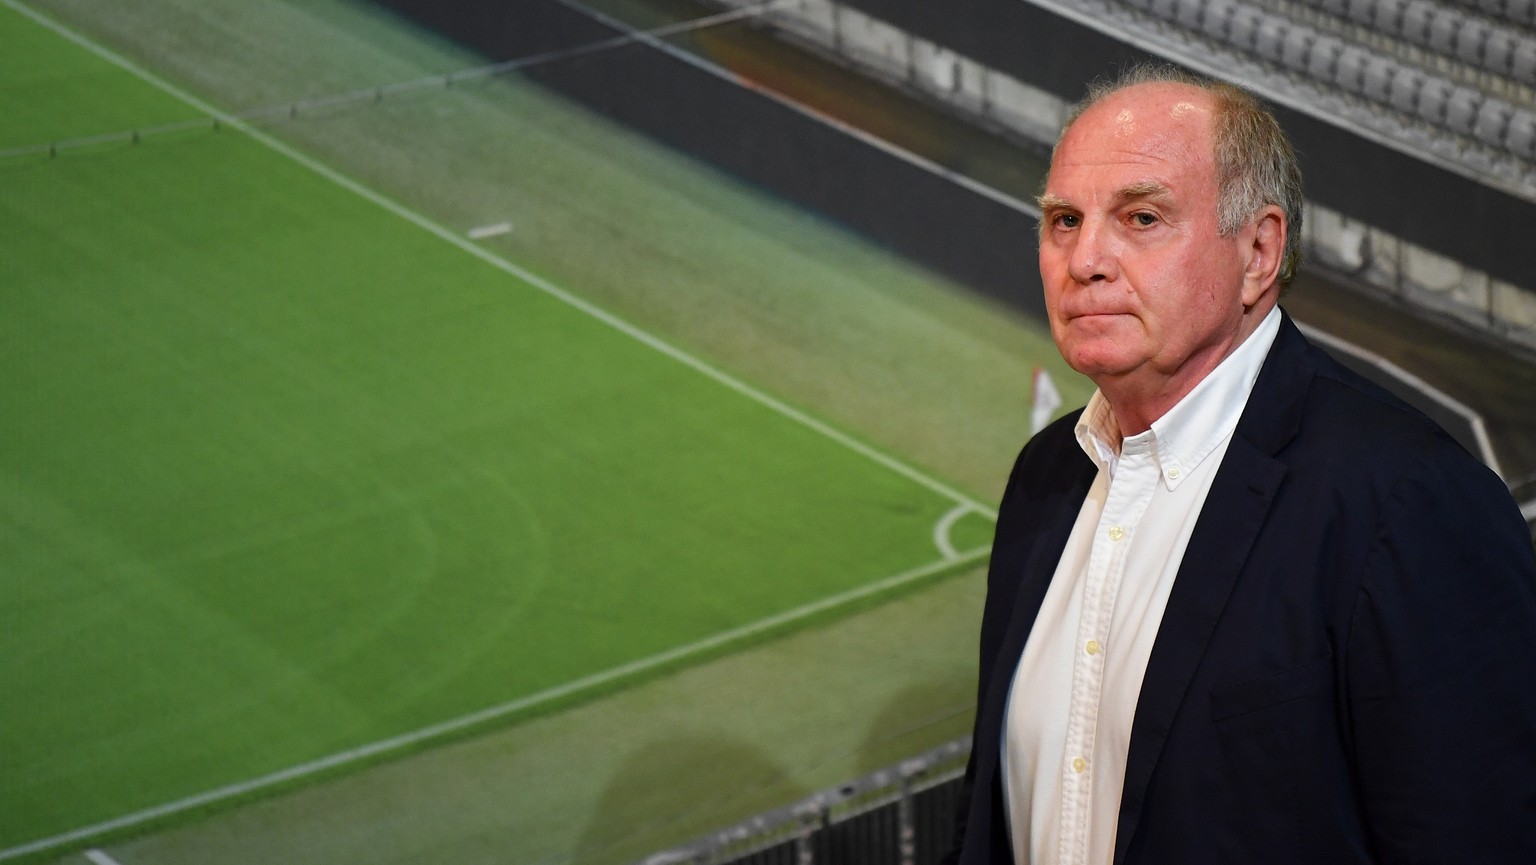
{"points": [[1158, 133]]}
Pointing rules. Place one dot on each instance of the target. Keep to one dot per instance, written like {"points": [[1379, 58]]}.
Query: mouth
{"points": [[1093, 315]]}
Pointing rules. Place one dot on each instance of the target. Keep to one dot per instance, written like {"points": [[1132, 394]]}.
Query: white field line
{"points": [[483, 231], [100, 858], [502, 264], [465, 722], [942, 528]]}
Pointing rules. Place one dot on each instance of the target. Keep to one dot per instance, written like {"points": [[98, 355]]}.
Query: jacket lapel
{"points": [[1229, 523]]}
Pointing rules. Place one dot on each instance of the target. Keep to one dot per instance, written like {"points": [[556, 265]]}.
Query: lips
{"points": [[1074, 315]]}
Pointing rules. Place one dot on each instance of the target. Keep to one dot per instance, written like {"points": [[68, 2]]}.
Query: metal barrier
{"points": [[901, 815]]}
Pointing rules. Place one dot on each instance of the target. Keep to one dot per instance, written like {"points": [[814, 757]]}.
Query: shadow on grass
{"points": [[670, 792]]}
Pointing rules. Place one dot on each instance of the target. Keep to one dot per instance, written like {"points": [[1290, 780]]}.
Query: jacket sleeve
{"points": [[1441, 672]]}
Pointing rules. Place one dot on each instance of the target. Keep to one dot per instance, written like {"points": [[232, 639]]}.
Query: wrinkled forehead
{"points": [[1160, 121]]}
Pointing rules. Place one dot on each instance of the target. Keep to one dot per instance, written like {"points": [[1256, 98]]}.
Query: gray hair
{"points": [[1255, 163]]}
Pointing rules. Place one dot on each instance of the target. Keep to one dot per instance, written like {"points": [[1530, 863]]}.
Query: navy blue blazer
{"points": [[1346, 669]]}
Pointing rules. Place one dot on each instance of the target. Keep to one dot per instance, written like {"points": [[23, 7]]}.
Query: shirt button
{"points": [[1092, 648], [1079, 765], [1116, 533], [1173, 473]]}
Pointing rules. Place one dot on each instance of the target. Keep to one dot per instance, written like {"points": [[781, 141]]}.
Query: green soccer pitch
{"points": [[298, 477]]}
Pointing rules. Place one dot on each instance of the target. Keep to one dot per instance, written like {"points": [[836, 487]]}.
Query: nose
{"points": [[1093, 258]]}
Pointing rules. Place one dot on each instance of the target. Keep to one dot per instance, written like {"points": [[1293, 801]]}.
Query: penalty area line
{"points": [[946, 524], [404, 741]]}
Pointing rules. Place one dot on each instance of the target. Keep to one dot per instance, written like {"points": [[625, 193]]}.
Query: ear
{"points": [[1265, 249]]}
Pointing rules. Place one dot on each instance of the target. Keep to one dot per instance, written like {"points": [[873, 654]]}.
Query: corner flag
{"points": [[1044, 402]]}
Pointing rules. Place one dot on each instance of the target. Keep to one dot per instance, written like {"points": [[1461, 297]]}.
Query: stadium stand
{"points": [[1483, 60]]}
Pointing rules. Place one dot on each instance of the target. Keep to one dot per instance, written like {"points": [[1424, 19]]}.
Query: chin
{"points": [[1099, 361]]}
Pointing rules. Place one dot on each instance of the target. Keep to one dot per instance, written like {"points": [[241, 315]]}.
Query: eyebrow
{"points": [[1145, 189], [1047, 201]]}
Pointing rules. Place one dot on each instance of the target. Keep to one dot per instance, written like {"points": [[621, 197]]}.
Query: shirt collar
{"points": [[1184, 436]]}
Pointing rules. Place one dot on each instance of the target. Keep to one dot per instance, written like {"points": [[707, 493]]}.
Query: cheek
{"points": [[1052, 266]]}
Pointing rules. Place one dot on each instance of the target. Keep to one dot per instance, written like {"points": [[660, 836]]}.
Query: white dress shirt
{"points": [[1068, 724]]}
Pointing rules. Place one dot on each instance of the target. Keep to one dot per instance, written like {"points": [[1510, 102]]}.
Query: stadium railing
{"points": [[900, 815]]}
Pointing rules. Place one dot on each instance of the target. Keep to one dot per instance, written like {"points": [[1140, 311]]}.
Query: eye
{"points": [[1066, 220], [1144, 218]]}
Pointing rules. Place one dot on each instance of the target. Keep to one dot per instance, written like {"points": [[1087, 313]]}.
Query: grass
{"points": [[237, 375]]}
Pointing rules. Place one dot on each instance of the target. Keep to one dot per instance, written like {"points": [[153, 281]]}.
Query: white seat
{"points": [[1215, 20], [1492, 119], [1442, 32], [1242, 26], [1469, 42], [1349, 71], [1434, 95], [1521, 12], [1269, 38], [1522, 64], [1388, 16], [1324, 57], [1297, 48], [1520, 138], [1461, 109], [1403, 93], [1414, 27], [1377, 81], [1189, 13], [1499, 51]]}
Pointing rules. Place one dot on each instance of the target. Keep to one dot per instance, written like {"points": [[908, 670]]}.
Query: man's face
{"points": [[1143, 292]]}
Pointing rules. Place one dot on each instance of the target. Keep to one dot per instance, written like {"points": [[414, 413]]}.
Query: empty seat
{"points": [[1323, 58], [1461, 109], [1415, 24], [1434, 94], [1520, 138], [1403, 93], [1522, 66], [1349, 71], [1521, 12], [1388, 16], [1297, 48], [1442, 32], [1270, 38], [1378, 77], [1362, 11], [1492, 119], [1337, 8], [1165, 9], [1242, 26], [1469, 42], [1498, 51], [1216, 20], [1190, 13]]}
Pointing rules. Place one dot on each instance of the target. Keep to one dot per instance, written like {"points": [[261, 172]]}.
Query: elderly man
{"points": [[1245, 607]]}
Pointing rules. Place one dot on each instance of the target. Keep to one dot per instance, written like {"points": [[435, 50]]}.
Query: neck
{"points": [[1142, 395]]}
